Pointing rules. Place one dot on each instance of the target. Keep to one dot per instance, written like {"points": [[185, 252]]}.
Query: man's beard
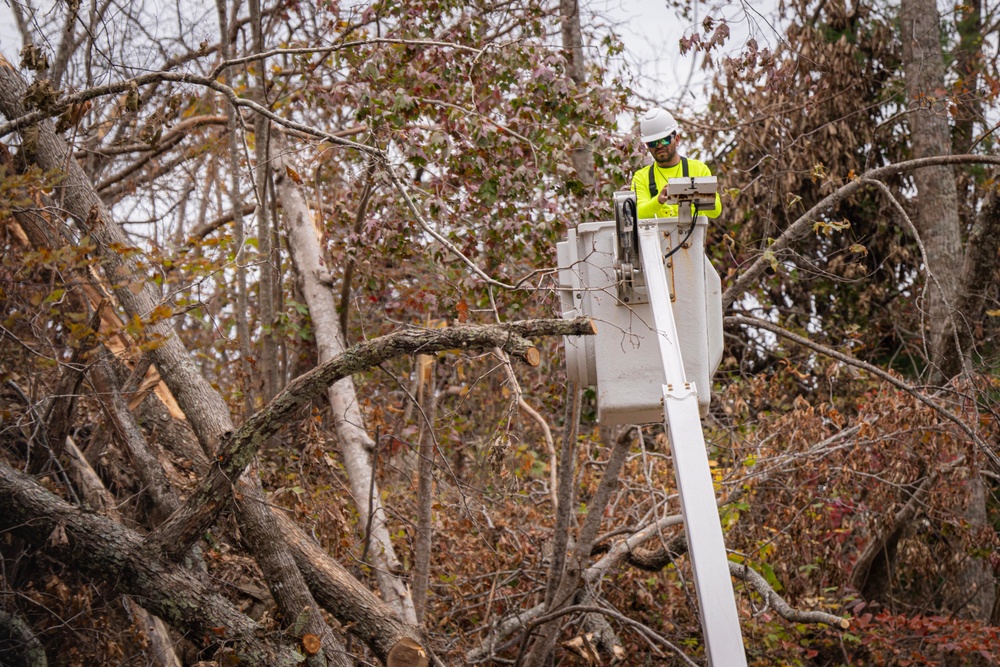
{"points": [[669, 156]]}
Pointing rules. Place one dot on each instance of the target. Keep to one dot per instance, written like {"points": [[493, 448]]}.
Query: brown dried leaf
{"points": [[57, 537], [32, 57], [583, 646]]}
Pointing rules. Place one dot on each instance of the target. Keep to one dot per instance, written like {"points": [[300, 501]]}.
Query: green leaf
{"points": [[771, 259], [55, 295], [770, 576]]}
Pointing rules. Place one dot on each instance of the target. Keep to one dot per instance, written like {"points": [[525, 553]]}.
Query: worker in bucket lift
{"points": [[659, 132]]}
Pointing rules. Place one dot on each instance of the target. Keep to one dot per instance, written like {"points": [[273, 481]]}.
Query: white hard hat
{"points": [[656, 124]]}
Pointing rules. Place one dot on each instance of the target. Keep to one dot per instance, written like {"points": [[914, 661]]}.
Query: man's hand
{"points": [[662, 196]]}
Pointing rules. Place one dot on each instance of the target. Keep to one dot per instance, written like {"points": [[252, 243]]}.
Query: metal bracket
{"points": [[680, 391], [628, 263], [685, 192]]}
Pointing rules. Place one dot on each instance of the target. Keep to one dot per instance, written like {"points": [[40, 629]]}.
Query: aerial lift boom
{"points": [[642, 288]]}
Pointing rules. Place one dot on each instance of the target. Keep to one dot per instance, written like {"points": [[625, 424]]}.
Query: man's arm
{"points": [[650, 207], [645, 206]]}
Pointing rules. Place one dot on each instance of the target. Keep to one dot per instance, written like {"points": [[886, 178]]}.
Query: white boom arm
{"points": [[719, 619]]}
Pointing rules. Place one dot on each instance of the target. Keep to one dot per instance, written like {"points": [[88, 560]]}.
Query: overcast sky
{"points": [[652, 31]]}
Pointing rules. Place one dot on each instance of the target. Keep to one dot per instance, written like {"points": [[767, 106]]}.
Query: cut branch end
{"points": [[407, 653]]}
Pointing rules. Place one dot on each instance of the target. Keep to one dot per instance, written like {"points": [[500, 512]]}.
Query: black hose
{"points": [[680, 245], [630, 203]]}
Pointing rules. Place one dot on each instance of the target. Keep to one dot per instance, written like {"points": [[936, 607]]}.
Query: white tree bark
{"points": [[356, 445]]}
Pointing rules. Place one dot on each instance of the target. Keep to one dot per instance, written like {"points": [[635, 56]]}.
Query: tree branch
{"points": [[801, 227], [179, 532], [147, 465], [941, 358], [201, 231], [874, 370], [778, 603], [310, 50], [107, 551], [644, 630], [27, 119], [878, 553]]}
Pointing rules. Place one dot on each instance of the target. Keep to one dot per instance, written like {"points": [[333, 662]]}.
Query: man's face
{"points": [[663, 150]]}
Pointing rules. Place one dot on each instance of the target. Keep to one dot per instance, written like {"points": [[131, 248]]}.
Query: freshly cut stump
{"points": [[407, 653]]}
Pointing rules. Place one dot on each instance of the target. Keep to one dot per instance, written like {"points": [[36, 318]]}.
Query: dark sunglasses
{"points": [[665, 141]]}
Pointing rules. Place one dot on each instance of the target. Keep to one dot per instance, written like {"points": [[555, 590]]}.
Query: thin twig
{"points": [[801, 227], [874, 370]]}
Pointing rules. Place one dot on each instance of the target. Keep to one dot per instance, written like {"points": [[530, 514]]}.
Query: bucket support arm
{"points": [[716, 600]]}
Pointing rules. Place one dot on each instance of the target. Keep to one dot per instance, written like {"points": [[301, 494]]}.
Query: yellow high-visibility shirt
{"points": [[649, 207]]}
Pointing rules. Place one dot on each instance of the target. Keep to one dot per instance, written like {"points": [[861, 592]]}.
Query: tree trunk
{"points": [[939, 227], [973, 592], [109, 552], [980, 273], [356, 607], [567, 475], [204, 407], [969, 25], [576, 562], [572, 41], [239, 229], [268, 256], [937, 218], [263, 536], [426, 449], [355, 444]]}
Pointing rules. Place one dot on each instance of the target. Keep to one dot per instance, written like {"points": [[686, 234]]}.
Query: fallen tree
{"points": [[231, 450]]}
